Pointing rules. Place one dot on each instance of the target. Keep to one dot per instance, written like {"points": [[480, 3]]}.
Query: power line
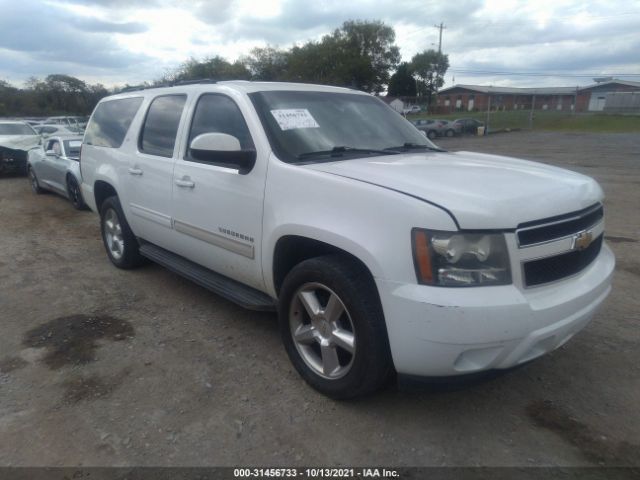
{"points": [[464, 22]]}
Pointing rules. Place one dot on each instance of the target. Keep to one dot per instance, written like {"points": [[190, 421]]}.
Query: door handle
{"points": [[185, 182], [135, 171]]}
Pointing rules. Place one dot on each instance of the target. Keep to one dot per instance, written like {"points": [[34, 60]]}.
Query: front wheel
{"points": [[333, 328], [119, 241], [432, 134], [450, 133]]}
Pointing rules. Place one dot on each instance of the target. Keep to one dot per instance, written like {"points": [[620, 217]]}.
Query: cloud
{"points": [[33, 44], [213, 12], [104, 26], [138, 39]]}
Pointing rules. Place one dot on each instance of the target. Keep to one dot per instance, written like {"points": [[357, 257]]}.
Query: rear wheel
{"points": [[120, 242], [450, 133], [432, 134], [75, 194], [33, 180], [333, 328]]}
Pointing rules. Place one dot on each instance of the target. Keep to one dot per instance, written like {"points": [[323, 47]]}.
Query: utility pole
{"points": [[440, 27], [533, 107], [488, 116]]}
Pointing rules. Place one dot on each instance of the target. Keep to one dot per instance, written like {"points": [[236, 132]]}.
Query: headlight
{"points": [[451, 259]]}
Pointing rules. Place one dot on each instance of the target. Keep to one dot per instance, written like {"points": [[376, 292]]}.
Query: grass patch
{"points": [[550, 120]]}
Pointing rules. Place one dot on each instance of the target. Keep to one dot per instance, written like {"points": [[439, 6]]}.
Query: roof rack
{"points": [[192, 82], [132, 88]]}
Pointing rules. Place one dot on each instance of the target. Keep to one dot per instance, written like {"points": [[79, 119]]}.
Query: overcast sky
{"points": [[129, 41]]}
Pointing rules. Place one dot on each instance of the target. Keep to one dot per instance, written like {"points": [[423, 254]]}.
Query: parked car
{"points": [[467, 125], [47, 130], [432, 128], [381, 252], [56, 167], [413, 109], [72, 122], [16, 139]]}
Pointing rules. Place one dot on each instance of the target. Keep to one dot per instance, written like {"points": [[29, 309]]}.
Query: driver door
{"points": [[217, 211]]}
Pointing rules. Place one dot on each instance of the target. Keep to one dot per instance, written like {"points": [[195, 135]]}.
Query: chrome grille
{"points": [[551, 269], [561, 246], [532, 233]]}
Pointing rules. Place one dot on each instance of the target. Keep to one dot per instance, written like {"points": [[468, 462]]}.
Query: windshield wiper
{"points": [[339, 151], [415, 146]]}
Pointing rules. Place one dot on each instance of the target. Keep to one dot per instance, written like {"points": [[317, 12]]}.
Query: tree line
{"points": [[359, 54], [55, 95]]}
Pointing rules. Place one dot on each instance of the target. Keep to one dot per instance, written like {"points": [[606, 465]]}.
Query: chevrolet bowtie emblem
{"points": [[582, 240]]}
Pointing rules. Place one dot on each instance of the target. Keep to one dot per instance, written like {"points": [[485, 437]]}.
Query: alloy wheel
{"points": [[322, 331], [113, 234]]}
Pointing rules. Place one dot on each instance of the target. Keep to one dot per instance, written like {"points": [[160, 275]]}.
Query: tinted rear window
{"points": [[158, 136], [110, 122]]}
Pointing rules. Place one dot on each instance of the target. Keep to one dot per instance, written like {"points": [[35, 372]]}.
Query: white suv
{"points": [[381, 252]]}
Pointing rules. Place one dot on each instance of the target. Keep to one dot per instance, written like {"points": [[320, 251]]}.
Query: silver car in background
{"points": [[47, 131], [56, 167]]}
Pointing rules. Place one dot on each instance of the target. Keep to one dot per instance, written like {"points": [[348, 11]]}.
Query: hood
{"points": [[481, 191], [19, 142]]}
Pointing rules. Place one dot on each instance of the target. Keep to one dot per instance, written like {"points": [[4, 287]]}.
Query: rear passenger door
{"points": [[217, 211], [150, 170]]}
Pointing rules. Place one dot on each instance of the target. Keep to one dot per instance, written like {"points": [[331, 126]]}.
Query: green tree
{"points": [[216, 68], [65, 93], [57, 94], [268, 64], [430, 67], [370, 45], [402, 83], [359, 54]]}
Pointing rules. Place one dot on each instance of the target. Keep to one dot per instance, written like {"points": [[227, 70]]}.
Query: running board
{"points": [[232, 290]]}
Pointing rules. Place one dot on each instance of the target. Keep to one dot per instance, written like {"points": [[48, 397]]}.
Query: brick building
{"points": [[589, 98]]}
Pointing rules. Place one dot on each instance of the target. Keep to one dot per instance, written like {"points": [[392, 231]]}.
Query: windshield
{"points": [[72, 148], [16, 129], [301, 124]]}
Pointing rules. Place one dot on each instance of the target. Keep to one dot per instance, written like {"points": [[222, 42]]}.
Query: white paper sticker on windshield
{"points": [[292, 118], [75, 144]]}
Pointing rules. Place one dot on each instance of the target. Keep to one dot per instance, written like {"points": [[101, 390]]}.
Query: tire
{"points": [[356, 359], [119, 241], [74, 193], [33, 180], [450, 133], [431, 134]]}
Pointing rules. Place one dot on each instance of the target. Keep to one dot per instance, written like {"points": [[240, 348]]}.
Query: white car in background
{"points": [[56, 168], [47, 130], [413, 109]]}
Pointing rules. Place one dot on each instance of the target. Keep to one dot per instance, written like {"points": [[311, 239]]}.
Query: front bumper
{"points": [[435, 331], [12, 163]]}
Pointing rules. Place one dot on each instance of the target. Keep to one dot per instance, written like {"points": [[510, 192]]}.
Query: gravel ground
{"points": [[100, 366]]}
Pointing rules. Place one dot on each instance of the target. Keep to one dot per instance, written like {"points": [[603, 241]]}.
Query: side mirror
{"points": [[222, 150], [51, 153]]}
